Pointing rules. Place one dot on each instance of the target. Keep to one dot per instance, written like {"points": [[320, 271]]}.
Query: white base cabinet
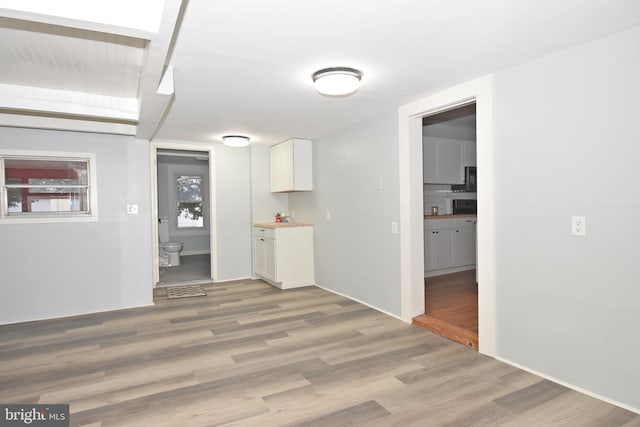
{"points": [[449, 245], [284, 256]]}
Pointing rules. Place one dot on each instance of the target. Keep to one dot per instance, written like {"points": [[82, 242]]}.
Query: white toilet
{"points": [[168, 252]]}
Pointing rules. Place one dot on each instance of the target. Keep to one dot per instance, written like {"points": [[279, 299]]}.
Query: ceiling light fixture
{"points": [[236, 141], [337, 81]]}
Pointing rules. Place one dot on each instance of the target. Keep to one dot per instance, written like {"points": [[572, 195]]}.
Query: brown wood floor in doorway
{"points": [[451, 307]]}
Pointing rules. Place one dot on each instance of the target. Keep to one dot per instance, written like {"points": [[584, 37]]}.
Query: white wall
{"points": [[63, 269], [264, 203], [355, 252], [232, 169], [195, 240], [567, 138]]}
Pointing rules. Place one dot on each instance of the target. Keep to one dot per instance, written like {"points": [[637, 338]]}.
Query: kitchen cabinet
{"points": [[450, 245], [468, 154], [283, 256], [444, 159], [291, 166], [265, 256], [438, 249]]}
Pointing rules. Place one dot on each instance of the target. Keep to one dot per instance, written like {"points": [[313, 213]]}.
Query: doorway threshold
{"points": [[447, 330], [183, 283]]}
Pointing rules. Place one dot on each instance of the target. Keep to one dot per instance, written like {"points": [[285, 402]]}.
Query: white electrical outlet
{"points": [[578, 226], [132, 209]]}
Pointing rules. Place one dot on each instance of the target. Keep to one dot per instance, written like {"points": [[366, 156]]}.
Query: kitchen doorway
{"points": [[183, 214], [450, 217], [410, 118]]}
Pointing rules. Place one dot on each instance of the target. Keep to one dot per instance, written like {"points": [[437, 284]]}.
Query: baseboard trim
{"points": [[187, 253], [233, 280], [569, 385], [363, 303], [82, 313]]}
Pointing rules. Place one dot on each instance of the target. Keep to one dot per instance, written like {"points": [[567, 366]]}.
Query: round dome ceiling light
{"points": [[236, 141], [337, 81]]}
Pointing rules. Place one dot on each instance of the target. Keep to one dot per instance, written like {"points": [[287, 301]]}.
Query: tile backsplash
{"points": [[442, 197]]}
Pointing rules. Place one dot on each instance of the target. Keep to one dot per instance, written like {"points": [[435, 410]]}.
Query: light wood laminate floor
{"points": [[249, 354]]}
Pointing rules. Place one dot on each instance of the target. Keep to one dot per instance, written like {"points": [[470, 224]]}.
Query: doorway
{"points": [[450, 217], [184, 212], [410, 118]]}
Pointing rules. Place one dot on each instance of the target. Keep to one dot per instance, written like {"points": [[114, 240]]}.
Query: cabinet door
{"points": [[442, 161], [450, 167], [259, 250], [281, 162], [429, 161], [429, 245], [464, 247], [468, 154], [442, 248], [270, 260]]}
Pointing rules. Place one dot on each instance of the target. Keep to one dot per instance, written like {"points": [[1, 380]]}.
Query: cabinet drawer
{"points": [[264, 232], [465, 223]]}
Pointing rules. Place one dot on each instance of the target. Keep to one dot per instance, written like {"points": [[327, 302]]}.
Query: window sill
{"points": [[47, 220]]}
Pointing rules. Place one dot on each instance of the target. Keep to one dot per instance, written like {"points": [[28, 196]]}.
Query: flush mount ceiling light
{"points": [[235, 140], [337, 81]]}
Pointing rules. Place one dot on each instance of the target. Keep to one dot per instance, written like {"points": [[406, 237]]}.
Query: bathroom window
{"points": [[46, 188], [190, 209]]}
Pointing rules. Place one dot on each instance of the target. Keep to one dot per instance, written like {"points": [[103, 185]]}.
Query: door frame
{"points": [[410, 117], [154, 146]]}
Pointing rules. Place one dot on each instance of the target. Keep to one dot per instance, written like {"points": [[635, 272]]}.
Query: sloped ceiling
{"points": [[78, 68], [244, 66]]}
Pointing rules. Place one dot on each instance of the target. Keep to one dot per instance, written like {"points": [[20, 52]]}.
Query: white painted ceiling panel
{"points": [[142, 15], [51, 57]]}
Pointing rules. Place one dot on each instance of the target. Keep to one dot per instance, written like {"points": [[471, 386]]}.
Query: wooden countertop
{"points": [[281, 224], [450, 216]]}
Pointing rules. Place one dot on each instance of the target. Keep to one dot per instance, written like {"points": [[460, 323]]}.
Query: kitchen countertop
{"points": [[281, 224], [450, 216]]}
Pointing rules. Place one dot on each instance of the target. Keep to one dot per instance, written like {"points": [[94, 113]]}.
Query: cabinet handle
{"points": [[262, 240], [457, 231]]}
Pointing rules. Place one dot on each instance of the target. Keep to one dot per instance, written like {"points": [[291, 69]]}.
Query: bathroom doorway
{"points": [[183, 211]]}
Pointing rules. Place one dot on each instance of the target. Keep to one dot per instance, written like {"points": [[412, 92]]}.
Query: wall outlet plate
{"points": [[578, 226], [132, 209]]}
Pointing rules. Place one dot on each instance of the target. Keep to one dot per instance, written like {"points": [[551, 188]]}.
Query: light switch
{"points": [[328, 215]]}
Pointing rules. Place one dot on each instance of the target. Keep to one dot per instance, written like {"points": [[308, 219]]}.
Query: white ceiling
{"points": [[244, 66]]}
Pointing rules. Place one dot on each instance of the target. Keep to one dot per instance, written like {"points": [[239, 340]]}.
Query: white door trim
{"points": [[213, 235], [411, 202]]}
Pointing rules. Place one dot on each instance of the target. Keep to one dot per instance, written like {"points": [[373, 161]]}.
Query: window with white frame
{"points": [[37, 187], [190, 208]]}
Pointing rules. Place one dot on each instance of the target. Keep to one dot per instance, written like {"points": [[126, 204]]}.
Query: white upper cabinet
{"points": [[291, 166], [469, 153], [444, 159]]}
